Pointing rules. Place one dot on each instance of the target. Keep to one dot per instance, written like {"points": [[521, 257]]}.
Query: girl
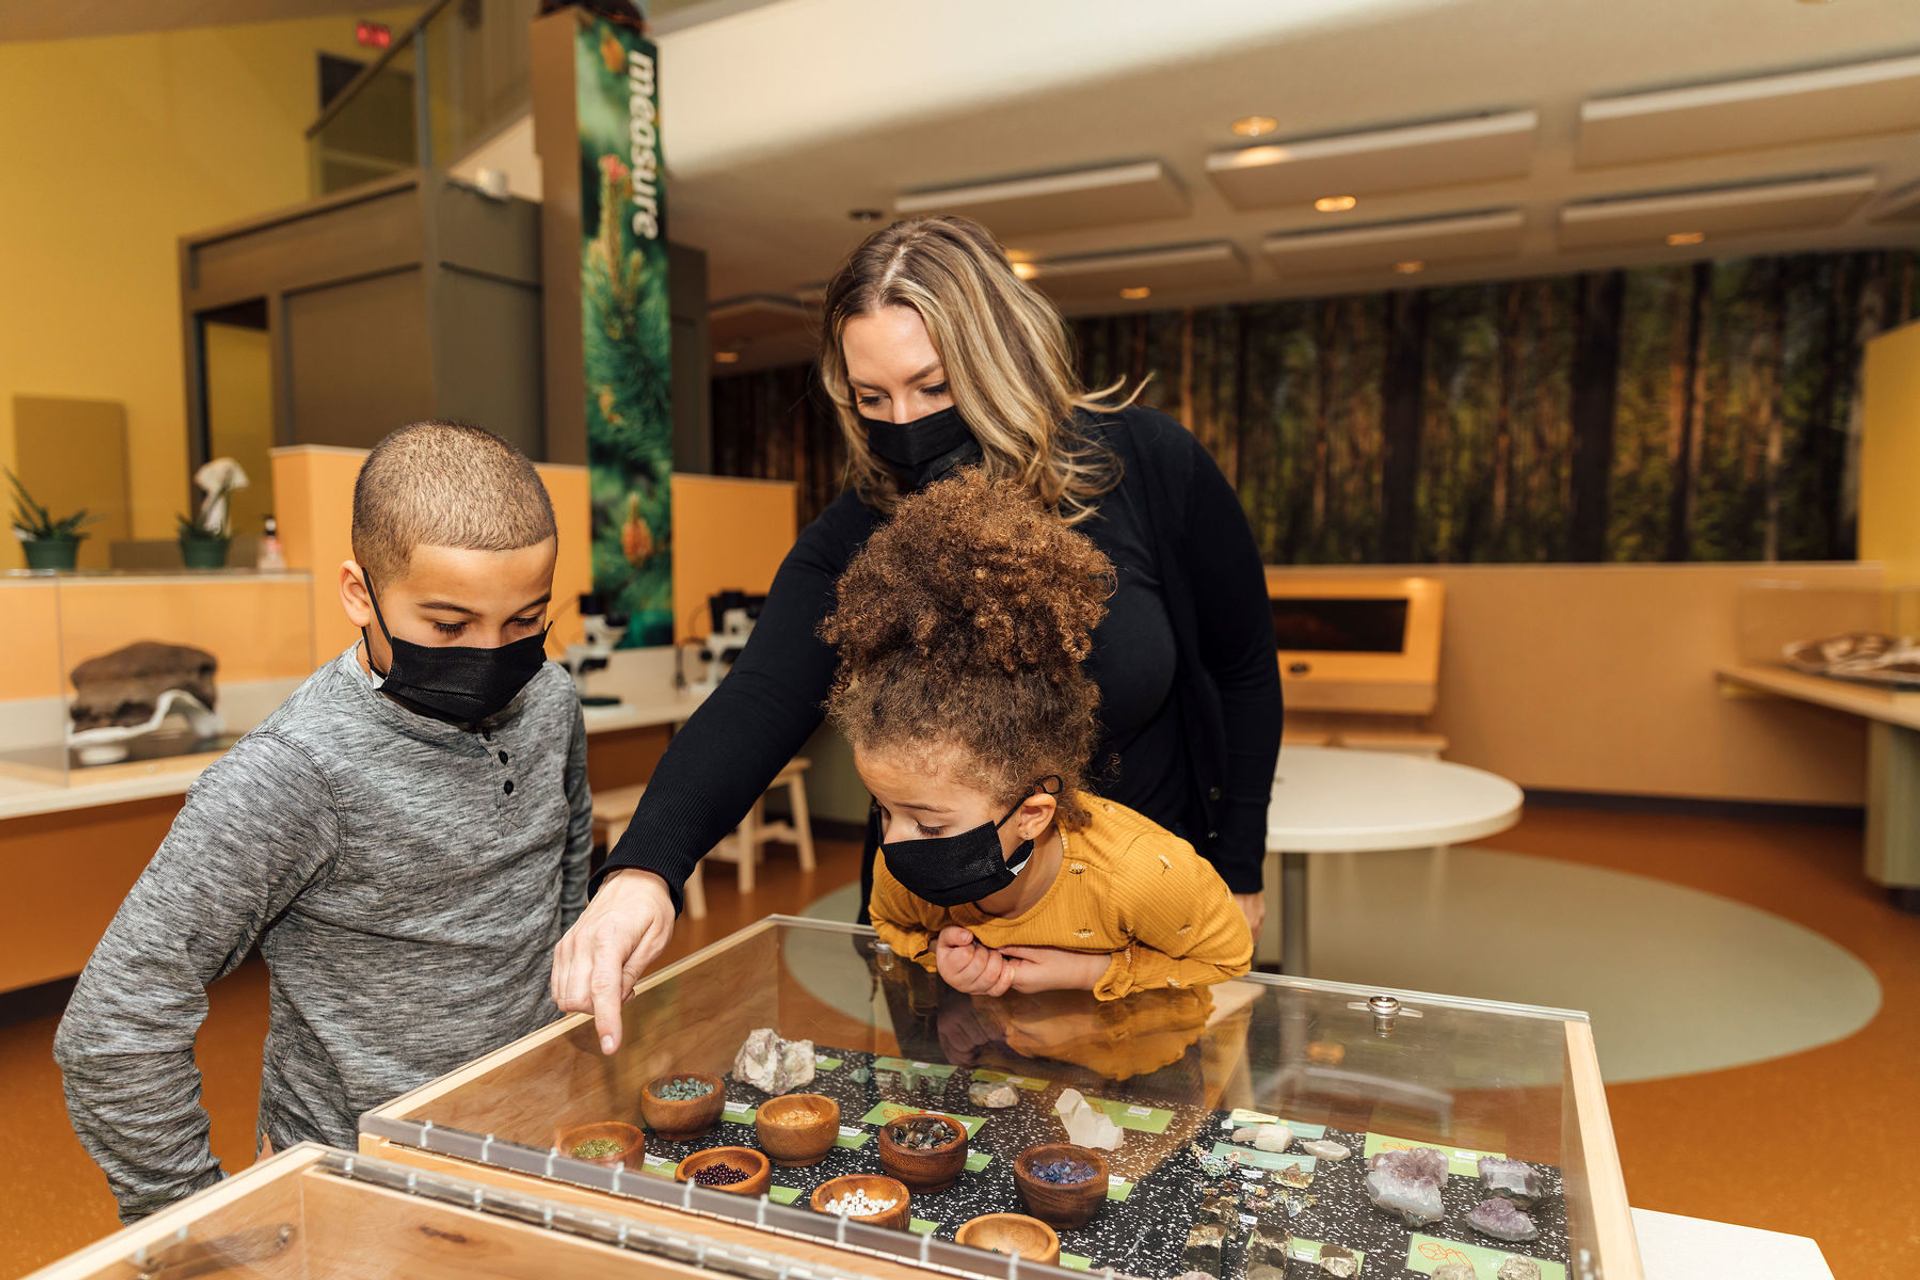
{"points": [[961, 628]]}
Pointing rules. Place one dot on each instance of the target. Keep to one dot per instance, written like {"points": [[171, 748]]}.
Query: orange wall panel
{"points": [[727, 535]]}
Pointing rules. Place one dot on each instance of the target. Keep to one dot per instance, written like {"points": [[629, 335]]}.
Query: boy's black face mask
{"points": [[966, 867], [456, 682], [920, 452]]}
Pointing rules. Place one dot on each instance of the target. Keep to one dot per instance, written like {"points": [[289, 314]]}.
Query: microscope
{"points": [[603, 627], [732, 614]]}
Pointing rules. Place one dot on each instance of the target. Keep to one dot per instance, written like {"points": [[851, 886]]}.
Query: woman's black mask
{"points": [[920, 452], [459, 683]]}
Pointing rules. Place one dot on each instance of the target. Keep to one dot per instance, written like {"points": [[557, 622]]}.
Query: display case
{"points": [[1864, 635], [110, 672], [1171, 1102]]}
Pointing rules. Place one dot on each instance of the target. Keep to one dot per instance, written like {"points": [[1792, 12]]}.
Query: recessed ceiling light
{"points": [[1679, 238], [726, 357], [1335, 204], [1025, 270], [1255, 126], [1133, 293], [1410, 266], [865, 215]]}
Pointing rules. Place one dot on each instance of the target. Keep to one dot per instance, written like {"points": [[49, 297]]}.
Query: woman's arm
{"points": [[714, 770]]}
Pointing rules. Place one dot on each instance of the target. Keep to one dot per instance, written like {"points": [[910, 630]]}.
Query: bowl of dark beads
{"points": [[1062, 1184], [925, 1150], [683, 1105], [739, 1171]]}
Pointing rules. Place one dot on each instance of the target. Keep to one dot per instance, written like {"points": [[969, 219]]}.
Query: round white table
{"points": [[1330, 800]]}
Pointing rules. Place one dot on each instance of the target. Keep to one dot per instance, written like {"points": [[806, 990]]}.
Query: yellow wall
{"points": [[240, 415], [115, 147], [728, 535], [1890, 455]]}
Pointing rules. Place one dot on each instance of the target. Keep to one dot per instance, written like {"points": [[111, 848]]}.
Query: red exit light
{"points": [[373, 35]]}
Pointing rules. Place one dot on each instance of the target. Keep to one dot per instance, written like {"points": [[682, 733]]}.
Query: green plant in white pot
{"points": [[206, 537], [47, 542]]}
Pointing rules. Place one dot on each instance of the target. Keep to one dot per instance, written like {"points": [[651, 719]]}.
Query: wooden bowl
{"points": [[1064, 1204], [795, 1144], [680, 1119], [1014, 1233], [934, 1170], [876, 1188], [759, 1173], [633, 1143]]}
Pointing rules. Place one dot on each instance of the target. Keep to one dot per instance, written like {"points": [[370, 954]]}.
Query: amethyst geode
{"points": [[1517, 1180], [1500, 1219], [1407, 1183]]}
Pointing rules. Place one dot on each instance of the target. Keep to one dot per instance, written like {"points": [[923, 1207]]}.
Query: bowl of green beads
{"points": [[683, 1104]]}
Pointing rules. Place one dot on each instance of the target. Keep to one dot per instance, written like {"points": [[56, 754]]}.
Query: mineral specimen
{"points": [[1268, 1249], [1210, 1164], [1203, 1248], [1338, 1261], [1518, 1269], [1061, 1172], [997, 1094], [773, 1065], [1326, 1150], [1267, 1137], [1087, 1126], [1498, 1218], [123, 687], [922, 1133], [595, 1149], [683, 1089], [1455, 1271], [1517, 1180], [856, 1204], [1297, 1176], [1408, 1183]]}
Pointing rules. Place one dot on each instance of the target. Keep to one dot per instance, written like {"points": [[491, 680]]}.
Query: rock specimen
{"points": [[1087, 1125], [922, 1133], [1268, 1249], [997, 1095], [773, 1065], [1407, 1183], [1266, 1137], [1517, 1180], [1338, 1261], [1202, 1252], [1322, 1149], [1210, 1164], [1497, 1217], [1518, 1269], [1297, 1176], [1455, 1271], [124, 686]]}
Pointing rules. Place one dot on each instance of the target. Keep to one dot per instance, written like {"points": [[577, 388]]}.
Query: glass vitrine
{"points": [[1189, 1086]]}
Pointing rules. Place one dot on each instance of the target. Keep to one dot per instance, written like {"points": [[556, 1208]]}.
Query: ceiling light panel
{"points": [[1810, 203], [1743, 115], [1111, 195], [1387, 246], [1483, 148], [1186, 267]]}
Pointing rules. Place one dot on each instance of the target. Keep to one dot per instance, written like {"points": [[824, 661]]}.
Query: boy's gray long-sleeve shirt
{"points": [[406, 880]]}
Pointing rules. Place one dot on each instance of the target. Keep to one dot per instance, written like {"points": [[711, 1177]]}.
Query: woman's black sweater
{"points": [[1189, 679]]}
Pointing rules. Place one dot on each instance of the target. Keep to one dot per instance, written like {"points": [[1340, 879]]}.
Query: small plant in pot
{"points": [[47, 542], [206, 537]]}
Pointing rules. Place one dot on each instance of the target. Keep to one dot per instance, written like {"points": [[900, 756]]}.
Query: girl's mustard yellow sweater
{"points": [[1126, 887]]}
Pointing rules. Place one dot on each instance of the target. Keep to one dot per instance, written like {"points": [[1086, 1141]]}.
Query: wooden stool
{"points": [[612, 811], [742, 848]]}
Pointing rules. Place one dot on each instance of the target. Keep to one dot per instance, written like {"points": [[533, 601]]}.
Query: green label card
{"points": [[1074, 1262], [905, 1068], [921, 1227], [658, 1166], [740, 1112], [827, 1064], [1129, 1116], [1118, 1188], [1461, 1161], [888, 1112], [978, 1160], [1309, 1251], [852, 1138], [1427, 1254], [1264, 1159], [783, 1195], [1033, 1084]]}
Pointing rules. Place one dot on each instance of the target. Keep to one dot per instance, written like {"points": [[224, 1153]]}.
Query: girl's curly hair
{"points": [[961, 627]]}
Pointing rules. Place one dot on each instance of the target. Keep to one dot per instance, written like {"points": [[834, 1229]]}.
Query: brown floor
{"points": [[1819, 1143]]}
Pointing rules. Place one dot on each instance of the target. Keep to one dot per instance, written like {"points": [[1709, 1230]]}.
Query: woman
{"points": [[936, 356]]}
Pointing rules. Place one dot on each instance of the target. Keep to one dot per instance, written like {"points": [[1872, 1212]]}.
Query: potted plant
{"points": [[48, 543], [205, 538]]}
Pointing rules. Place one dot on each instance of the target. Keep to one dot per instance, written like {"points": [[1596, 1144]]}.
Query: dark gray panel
{"points": [[358, 362], [496, 237], [329, 240], [489, 339], [692, 360]]}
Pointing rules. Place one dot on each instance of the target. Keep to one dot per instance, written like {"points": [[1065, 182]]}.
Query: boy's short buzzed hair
{"points": [[445, 484]]}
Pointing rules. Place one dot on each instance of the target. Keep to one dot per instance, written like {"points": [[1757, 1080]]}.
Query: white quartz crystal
{"points": [[1087, 1126], [773, 1065]]}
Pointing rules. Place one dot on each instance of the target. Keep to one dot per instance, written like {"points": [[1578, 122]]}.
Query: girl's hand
{"points": [[968, 967], [1054, 969]]}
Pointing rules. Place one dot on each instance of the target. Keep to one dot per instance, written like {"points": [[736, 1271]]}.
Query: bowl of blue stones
{"points": [[1062, 1184], [684, 1105]]}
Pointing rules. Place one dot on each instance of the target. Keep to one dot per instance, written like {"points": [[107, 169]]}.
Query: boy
{"points": [[406, 838]]}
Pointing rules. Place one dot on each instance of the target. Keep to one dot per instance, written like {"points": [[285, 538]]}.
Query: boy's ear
{"points": [[353, 595], [1036, 811]]}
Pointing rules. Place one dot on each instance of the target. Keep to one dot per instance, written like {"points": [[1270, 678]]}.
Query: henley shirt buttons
{"points": [[509, 786], [503, 757], [1213, 793]]}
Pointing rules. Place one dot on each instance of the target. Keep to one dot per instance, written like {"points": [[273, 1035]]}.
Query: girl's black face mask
{"points": [[966, 867], [459, 683], [920, 452]]}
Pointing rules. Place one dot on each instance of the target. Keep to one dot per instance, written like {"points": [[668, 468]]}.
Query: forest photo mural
{"points": [[1698, 411]]}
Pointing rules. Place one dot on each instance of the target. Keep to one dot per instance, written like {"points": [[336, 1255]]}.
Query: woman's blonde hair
{"points": [[1007, 357]]}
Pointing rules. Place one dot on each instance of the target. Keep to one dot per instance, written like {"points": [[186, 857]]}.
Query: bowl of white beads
{"points": [[864, 1197]]}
